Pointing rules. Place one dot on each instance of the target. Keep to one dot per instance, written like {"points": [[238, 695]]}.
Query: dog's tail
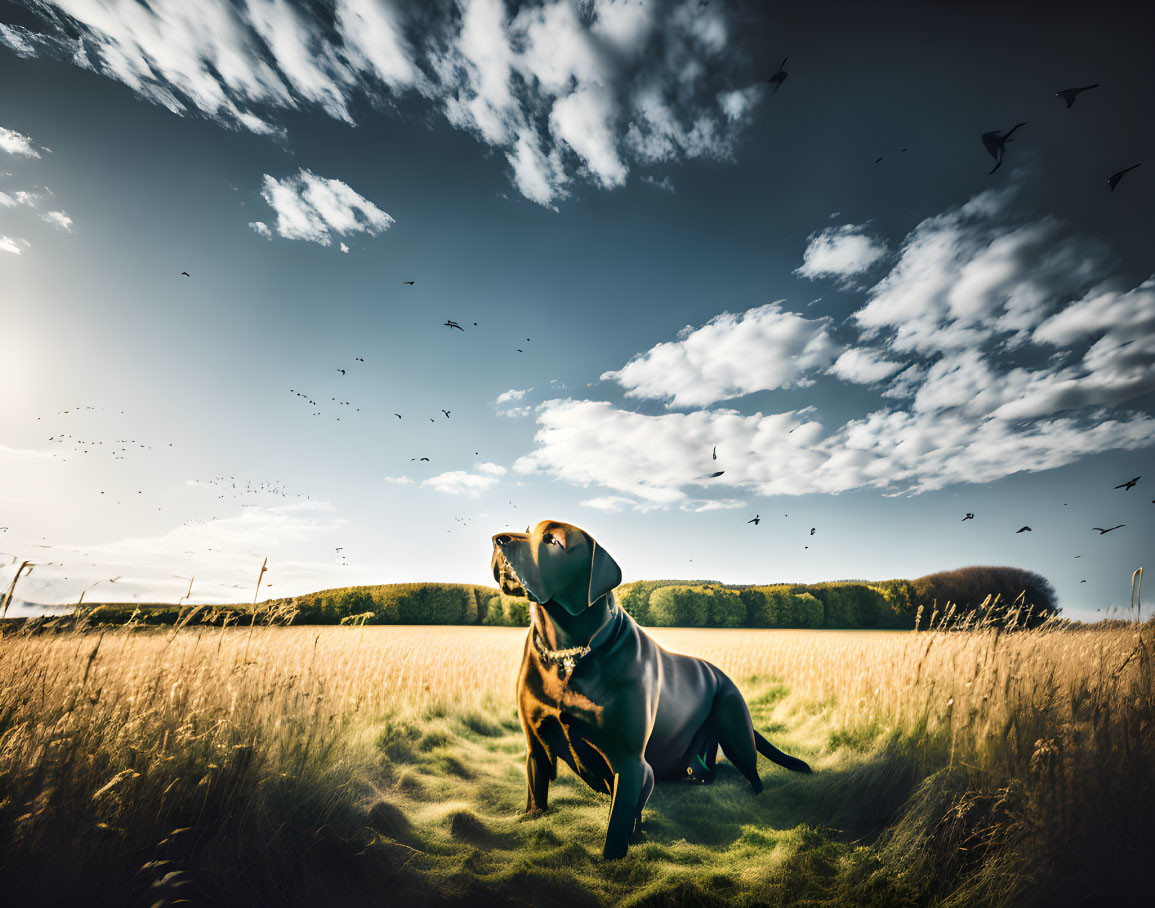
{"points": [[770, 752]]}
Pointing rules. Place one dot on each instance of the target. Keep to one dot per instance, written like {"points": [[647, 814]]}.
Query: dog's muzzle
{"points": [[507, 577]]}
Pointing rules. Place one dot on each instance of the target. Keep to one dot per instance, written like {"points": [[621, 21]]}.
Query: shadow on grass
{"points": [[700, 844]]}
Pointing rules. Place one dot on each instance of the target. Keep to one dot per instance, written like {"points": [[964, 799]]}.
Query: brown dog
{"points": [[597, 692]]}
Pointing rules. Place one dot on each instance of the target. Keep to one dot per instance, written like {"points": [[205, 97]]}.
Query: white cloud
{"points": [[460, 482], [18, 40], [563, 89], [309, 207], [665, 183], [966, 276], [492, 469], [399, 480], [261, 229], [18, 144], [11, 244], [344, 249], [863, 366], [512, 394], [585, 120], [515, 412], [1001, 345], [373, 33], [656, 459], [38, 202], [840, 252], [731, 355]]}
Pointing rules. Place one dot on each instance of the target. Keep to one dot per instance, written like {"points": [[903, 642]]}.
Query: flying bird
{"points": [[1113, 179], [969, 516], [342, 371], [186, 274], [715, 454], [1069, 94], [398, 415], [996, 143], [1083, 581], [410, 283], [1024, 530], [812, 529], [1108, 530], [715, 475], [519, 350], [879, 158], [755, 521], [449, 323], [1126, 486], [446, 412], [779, 77]]}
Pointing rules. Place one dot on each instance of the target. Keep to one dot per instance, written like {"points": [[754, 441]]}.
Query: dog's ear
{"points": [[604, 572]]}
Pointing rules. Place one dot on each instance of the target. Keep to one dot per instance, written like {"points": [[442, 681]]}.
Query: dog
{"points": [[597, 692]]}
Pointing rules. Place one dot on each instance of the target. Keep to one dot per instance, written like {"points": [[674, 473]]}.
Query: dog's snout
{"points": [[502, 539]]}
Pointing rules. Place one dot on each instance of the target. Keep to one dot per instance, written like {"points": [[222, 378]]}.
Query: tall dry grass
{"points": [[957, 768]]}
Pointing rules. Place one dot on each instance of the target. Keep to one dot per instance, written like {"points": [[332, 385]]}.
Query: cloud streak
{"points": [[841, 253], [568, 92], [17, 144], [731, 355], [313, 208]]}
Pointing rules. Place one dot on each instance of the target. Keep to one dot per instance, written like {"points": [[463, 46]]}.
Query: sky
{"points": [[653, 255]]}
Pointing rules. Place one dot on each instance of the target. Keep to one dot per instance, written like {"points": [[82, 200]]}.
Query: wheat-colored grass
{"points": [[328, 762]]}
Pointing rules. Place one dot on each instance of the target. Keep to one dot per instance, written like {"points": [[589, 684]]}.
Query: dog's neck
{"points": [[560, 630]]}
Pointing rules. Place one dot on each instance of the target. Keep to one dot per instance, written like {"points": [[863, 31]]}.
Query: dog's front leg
{"points": [[629, 775], [538, 771]]}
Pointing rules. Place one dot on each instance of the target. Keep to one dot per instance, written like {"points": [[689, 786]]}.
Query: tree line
{"points": [[658, 603]]}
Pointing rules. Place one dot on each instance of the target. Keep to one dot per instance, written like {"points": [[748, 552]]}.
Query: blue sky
{"points": [[684, 257]]}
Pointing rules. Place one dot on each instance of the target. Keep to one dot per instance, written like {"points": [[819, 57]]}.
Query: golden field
{"points": [[385, 765]]}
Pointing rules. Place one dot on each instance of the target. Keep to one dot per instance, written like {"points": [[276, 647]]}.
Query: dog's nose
{"points": [[503, 539]]}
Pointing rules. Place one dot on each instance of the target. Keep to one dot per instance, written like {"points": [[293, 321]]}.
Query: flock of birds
{"points": [[1102, 531], [995, 141]]}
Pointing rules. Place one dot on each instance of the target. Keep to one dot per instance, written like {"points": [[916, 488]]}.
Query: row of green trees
{"points": [[659, 603], [710, 604]]}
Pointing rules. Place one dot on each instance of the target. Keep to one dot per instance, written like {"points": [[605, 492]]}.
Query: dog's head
{"points": [[555, 561]]}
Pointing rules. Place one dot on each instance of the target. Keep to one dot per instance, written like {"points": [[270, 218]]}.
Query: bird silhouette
{"points": [[1081, 581], [342, 371], [715, 454], [779, 77], [1127, 486], [756, 520], [812, 529], [1024, 530], [449, 323], [410, 283], [398, 415], [996, 143], [186, 274], [1108, 530], [969, 516], [426, 459], [1113, 179], [879, 158], [519, 350], [1069, 94], [359, 359], [715, 475], [446, 412]]}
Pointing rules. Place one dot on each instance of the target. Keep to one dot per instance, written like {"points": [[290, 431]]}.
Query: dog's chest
{"points": [[567, 722]]}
